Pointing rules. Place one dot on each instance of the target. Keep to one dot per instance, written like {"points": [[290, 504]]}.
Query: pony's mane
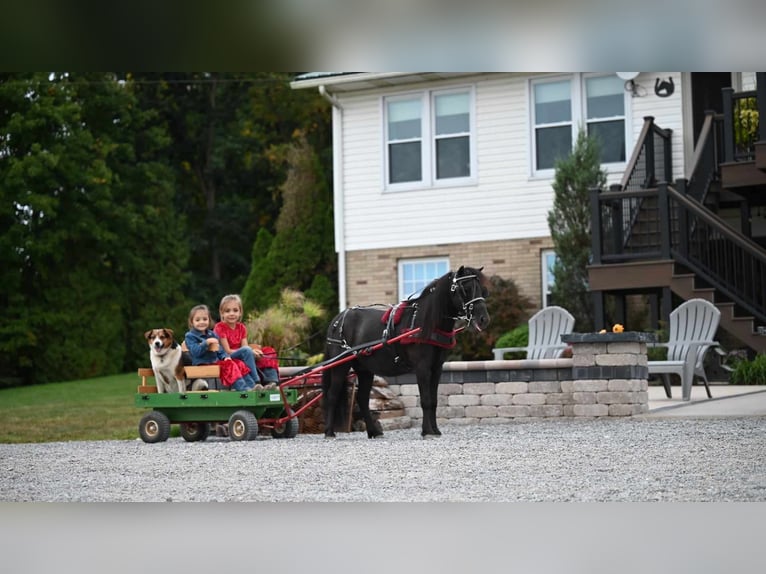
{"points": [[433, 304]]}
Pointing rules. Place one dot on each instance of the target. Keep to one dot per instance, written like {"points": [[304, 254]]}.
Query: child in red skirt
{"points": [[205, 349]]}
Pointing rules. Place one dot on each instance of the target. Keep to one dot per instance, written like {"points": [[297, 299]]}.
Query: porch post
{"points": [[760, 92], [728, 124], [598, 309]]}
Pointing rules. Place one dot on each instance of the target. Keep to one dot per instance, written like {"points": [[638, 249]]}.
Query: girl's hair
{"points": [[194, 312], [230, 299]]}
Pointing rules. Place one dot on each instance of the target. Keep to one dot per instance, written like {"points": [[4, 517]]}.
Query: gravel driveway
{"points": [[562, 460]]}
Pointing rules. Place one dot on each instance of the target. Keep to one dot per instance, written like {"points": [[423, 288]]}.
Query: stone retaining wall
{"points": [[607, 376]]}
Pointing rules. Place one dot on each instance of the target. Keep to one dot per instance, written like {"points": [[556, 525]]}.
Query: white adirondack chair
{"points": [[545, 330], [692, 329]]}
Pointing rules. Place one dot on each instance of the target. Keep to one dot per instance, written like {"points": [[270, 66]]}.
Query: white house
{"points": [[436, 170]]}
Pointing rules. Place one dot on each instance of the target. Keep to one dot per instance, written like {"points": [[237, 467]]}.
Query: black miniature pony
{"points": [[378, 340]]}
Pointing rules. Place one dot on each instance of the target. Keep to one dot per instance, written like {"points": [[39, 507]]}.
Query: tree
{"points": [[570, 226], [225, 128], [82, 190], [303, 245]]}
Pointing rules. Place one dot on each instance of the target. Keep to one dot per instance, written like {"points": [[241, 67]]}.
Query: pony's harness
{"points": [[467, 305], [394, 313]]}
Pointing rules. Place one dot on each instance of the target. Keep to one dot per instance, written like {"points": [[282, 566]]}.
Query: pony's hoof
{"points": [[329, 435], [374, 435]]}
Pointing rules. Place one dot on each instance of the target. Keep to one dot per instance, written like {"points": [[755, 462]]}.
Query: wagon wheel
{"points": [[243, 426], [154, 427], [287, 430], [193, 432]]}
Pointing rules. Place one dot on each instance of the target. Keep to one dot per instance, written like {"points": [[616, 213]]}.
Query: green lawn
{"points": [[93, 409]]}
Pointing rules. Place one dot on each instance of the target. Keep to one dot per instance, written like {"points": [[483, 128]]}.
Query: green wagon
{"points": [[246, 412]]}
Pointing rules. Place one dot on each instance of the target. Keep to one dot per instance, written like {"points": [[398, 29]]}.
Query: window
{"points": [[429, 139], [452, 135], [547, 260], [415, 274], [560, 106], [553, 122], [605, 115], [405, 129]]}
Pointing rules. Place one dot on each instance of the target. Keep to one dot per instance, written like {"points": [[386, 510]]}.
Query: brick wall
{"points": [[607, 376], [372, 274]]}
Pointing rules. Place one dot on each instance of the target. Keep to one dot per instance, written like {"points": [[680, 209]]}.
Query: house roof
{"points": [[355, 81]]}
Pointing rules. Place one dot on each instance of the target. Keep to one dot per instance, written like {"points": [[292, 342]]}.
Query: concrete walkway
{"points": [[727, 401]]}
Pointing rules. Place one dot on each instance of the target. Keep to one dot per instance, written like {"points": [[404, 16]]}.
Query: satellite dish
{"points": [[627, 75]]}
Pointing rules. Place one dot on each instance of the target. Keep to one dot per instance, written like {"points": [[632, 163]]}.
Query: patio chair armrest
{"points": [[667, 344]]}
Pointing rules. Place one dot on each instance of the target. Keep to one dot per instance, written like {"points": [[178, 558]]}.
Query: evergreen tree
{"points": [[224, 129], [303, 245], [569, 223]]}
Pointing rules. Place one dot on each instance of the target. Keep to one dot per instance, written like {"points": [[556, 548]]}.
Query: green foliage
{"points": [[225, 128], [84, 182], [569, 223], [259, 270], [507, 308], [127, 198], [303, 245], [518, 337], [746, 119], [285, 325], [750, 372]]}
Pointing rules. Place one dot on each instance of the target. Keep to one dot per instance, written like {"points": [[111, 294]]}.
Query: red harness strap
{"points": [[438, 338], [398, 311]]}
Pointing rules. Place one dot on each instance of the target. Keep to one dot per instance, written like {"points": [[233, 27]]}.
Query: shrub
{"points": [[286, 325], [750, 372], [519, 337]]}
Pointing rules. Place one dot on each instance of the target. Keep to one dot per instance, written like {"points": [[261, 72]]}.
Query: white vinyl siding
{"points": [[501, 201]]}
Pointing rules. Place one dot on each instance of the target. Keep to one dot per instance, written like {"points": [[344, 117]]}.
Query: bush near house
{"points": [[750, 372], [519, 337]]}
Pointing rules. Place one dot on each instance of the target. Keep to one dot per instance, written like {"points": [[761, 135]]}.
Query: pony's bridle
{"points": [[466, 303]]}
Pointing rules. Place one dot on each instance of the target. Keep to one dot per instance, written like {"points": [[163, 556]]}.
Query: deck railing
{"points": [[700, 240]]}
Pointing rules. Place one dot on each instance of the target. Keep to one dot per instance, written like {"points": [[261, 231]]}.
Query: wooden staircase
{"points": [[743, 328], [656, 236]]}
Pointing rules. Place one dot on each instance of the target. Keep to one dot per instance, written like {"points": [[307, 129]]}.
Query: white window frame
{"points": [[405, 292], [546, 276], [428, 140], [578, 118]]}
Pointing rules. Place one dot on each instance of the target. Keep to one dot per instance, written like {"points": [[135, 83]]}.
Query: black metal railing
{"points": [[651, 162], [705, 170], [701, 241]]}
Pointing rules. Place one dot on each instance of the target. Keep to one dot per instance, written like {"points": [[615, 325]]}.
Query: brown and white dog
{"points": [[167, 364]]}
